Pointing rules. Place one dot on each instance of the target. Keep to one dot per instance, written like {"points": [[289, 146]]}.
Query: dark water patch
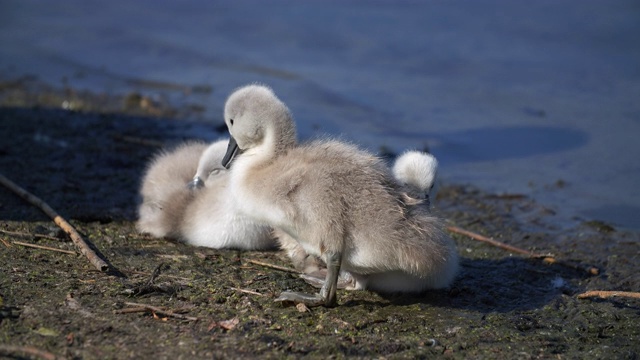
{"points": [[624, 216]]}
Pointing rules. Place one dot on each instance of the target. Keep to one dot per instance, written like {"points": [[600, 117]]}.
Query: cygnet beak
{"points": [[196, 183], [232, 150]]}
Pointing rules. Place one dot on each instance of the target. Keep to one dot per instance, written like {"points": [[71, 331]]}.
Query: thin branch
{"points": [[59, 220], [131, 310], [18, 233], [548, 259], [246, 291], [277, 267], [607, 294], [44, 247], [161, 311], [5, 243], [27, 351], [496, 243]]}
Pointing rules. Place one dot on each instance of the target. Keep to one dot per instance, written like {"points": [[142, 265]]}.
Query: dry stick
{"points": [[549, 259], [14, 351], [131, 310], [161, 311], [18, 233], [5, 243], [246, 291], [59, 220], [45, 248], [496, 243], [277, 267], [607, 294]]}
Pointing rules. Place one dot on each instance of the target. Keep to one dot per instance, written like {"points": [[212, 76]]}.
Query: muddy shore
{"points": [[86, 162]]}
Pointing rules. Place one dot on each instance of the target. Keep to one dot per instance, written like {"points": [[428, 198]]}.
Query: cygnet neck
{"points": [[281, 135]]}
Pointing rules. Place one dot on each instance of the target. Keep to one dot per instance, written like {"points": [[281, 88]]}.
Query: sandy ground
{"points": [[87, 165]]}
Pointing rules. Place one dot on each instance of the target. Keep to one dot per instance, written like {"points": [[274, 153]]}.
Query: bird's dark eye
{"points": [[231, 121]]}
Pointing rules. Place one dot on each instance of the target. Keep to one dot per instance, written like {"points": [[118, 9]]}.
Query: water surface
{"points": [[536, 98]]}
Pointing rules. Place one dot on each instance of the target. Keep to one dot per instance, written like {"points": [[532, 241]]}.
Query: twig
{"points": [[246, 291], [29, 351], [137, 309], [277, 267], [161, 267], [501, 245], [162, 311], [5, 243], [592, 270], [607, 294], [548, 259], [45, 248], [18, 233], [59, 220], [131, 310]]}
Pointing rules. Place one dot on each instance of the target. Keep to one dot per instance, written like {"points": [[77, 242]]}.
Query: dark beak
{"points": [[232, 150], [196, 183]]}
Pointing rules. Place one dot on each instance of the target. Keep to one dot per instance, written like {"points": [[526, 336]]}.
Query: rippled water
{"points": [[539, 98]]}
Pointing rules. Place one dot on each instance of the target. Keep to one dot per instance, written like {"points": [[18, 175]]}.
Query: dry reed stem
{"points": [[59, 220], [161, 311], [607, 294], [246, 291], [27, 351], [18, 233], [45, 248], [495, 243], [277, 267], [548, 259]]}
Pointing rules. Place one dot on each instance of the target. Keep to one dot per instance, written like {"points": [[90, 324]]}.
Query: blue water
{"points": [[511, 96]]}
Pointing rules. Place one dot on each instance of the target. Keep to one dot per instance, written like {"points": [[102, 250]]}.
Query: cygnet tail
{"points": [[417, 170]]}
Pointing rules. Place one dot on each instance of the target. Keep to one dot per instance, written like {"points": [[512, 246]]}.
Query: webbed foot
{"points": [[317, 280], [327, 294]]}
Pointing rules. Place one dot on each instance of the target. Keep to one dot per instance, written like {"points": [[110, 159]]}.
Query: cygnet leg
{"points": [[327, 295]]}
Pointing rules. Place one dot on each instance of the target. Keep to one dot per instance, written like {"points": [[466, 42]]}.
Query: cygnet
{"points": [[416, 172], [164, 192], [340, 203], [200, 212], [213, 219]]}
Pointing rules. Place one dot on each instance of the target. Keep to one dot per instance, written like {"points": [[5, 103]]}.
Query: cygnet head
{"points": [[209, 164], [416, 169], [256, 118]]}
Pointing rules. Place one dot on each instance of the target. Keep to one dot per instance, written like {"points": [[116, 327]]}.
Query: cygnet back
{"points": [[164, 191]]}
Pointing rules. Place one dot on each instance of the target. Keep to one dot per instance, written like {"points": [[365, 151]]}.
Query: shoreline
{"points": [[86, 166]]}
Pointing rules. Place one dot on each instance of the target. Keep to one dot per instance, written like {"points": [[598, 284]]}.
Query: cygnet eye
{"points": [[231, 121]]}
